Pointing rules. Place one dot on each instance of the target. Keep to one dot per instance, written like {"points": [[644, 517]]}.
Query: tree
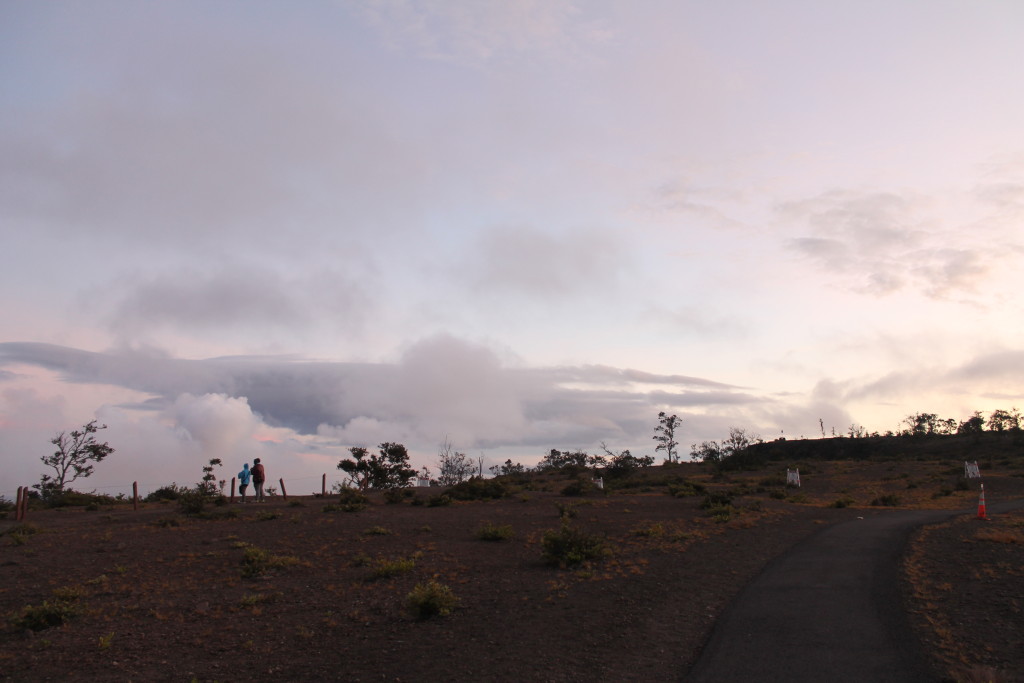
{"points": [[972, 425], [556, 460], [507, 468], [453, 467], [208, 485], [389, 470], [665, 435], [75, 457], [708, 451], [622, 463], [1004, 420]]}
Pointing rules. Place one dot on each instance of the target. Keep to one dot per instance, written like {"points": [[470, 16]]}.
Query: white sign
{"points": [[793, 477], [971, 470]]}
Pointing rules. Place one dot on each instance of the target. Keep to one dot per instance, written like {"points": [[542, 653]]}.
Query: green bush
{"points": [[478, 489], [716, 499], [393, 496], [581, 487], [888, 500], [256, 562], [431, 599], [47, 615], [685, 489], [172, 492], [350, 500], [384, 568], [570, 546], [494, 532]]}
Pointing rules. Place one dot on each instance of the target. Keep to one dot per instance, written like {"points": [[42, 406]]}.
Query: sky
{"points": [[245, 229]]}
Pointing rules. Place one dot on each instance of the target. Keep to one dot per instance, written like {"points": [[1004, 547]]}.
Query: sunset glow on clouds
{"points": [[257, 230]]}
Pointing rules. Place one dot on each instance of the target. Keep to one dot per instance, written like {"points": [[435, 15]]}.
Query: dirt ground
{"points": [[160, 596]]}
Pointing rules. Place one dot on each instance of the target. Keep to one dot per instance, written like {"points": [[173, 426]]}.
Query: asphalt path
{"points": [[830, 609]]}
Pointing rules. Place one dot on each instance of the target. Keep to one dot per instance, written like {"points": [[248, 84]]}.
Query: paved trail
{"points": [[828, 610]]}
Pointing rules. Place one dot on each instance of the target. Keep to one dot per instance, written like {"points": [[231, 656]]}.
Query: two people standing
{"points": [[257, 475]]}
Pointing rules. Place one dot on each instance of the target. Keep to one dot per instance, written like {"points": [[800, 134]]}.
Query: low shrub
{"points": [[716, 499], [581, 487], [377, 531], [172, 492], [393, 496], [266, 515], [431, 599], [477, 488], [256, 562], [59, 610], [652, 530], [494, 532], [685, 489], [350, 500], [441, 500], [570, 546], [888, 500], [384, 568], [842, 502]]}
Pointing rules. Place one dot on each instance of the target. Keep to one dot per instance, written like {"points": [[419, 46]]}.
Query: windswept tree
{"points": [[74, 458], [665, 435], [388, 470], [453, 467]]}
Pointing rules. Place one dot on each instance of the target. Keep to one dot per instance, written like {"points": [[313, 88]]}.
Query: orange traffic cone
{"points": [[981, 504]]}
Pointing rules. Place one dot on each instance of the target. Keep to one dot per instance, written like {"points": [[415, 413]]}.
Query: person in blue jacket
{"points": [[243, 480]]}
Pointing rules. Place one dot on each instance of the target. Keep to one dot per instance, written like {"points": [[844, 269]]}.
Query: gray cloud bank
{"points": [[441, 386]]}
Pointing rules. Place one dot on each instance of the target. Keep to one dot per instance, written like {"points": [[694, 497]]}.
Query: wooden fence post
{"points": [[323, 486], [135, 496], [283, 491], [17, 505], [232, 489], [24, 504]]}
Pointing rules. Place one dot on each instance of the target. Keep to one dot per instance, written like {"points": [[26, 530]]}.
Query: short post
{"points": [[232, 489], [24, 504], [17, 505], [135, 496], [323, 486], [283, 491]]}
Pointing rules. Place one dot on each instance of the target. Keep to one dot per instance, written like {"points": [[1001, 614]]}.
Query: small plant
{"points": [[431, 599], [255, 599], [441, 500], [361, 560], [296, 504], [257, 562], [494, 532], [266, 515], [566, 510], [106, 641], [842, 502], [570, 546], [654, 530], [716, 500], [377, 531], [888, 500], [384, 568], [685, 489], [165, 522]]}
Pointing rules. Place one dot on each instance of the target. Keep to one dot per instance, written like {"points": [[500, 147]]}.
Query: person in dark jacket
{"points": [[258, 477]]}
